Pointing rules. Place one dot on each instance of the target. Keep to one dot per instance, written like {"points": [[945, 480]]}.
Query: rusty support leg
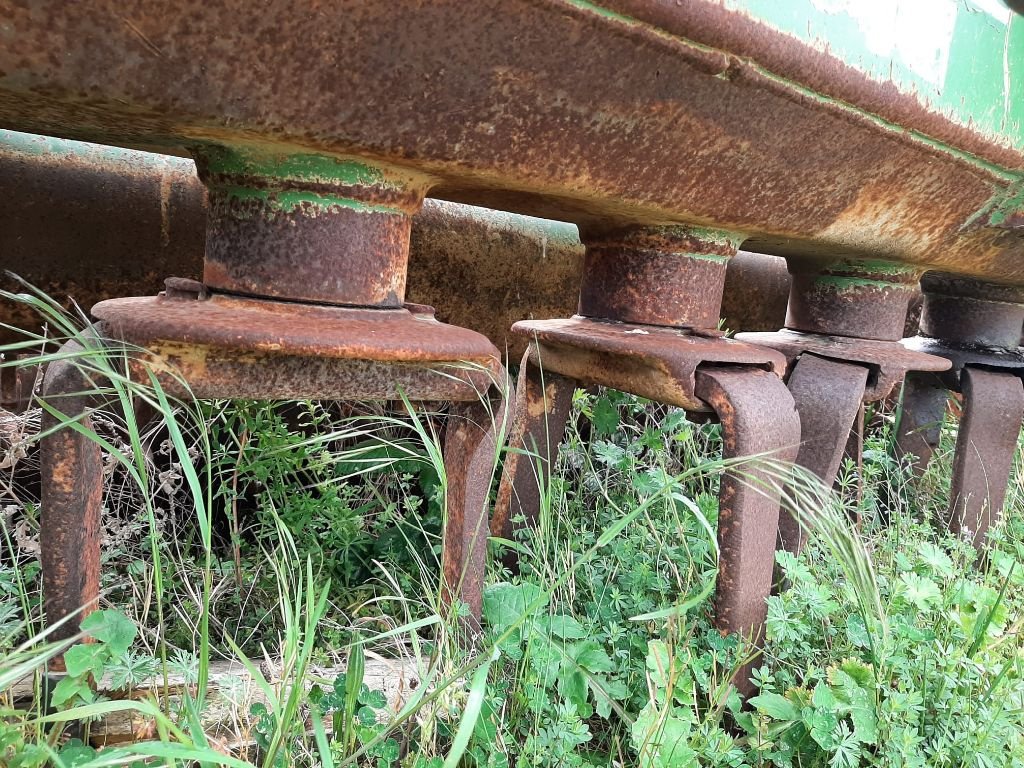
{"points": [[470, 452], [828, 395], [758, 416], [985, 447], [920, 423], [72, 496], [854, 451], [542, 404]]}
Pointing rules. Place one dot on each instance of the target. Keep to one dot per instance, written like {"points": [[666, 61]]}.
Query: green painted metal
{"points": [[285, 182], [963, 58]]}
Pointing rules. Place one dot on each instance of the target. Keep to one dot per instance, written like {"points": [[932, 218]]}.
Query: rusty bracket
{"points": [[887, 361], [655, 362], [976, 327], [303, 297], [233, 346], [740, 383]]}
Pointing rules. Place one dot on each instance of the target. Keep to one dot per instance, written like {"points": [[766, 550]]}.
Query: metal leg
{"points": [[854, 451], [72, 496], [985, 447], [542, 404], [920, 424], [828, 396], [758, 416], [470, 449]]}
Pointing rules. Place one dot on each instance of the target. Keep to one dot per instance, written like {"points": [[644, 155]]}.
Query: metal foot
{"points": [[759, 417], [985, 447]]}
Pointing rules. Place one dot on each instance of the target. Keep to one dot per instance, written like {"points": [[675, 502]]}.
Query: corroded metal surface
{"points": [[542, 405], [759, 418], [307, 228], [72, 483], [93, 223], [863, 300], [985, 449], [651, 361], [237, 347], [919, 427], [828, 396], [971, 313], [491, 121], [756, 292], [88, 222], [889, 361], [671, 276], [806, 42], [486, 269], [471, 439]]}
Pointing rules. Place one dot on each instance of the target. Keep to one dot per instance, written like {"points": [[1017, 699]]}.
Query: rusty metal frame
{"points": [[846, 164]]}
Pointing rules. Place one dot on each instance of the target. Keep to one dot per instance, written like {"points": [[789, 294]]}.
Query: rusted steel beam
{"points": [[486, 270], [93, 222], [655, 295], [756, 293], [844, 165], [976, 326]]}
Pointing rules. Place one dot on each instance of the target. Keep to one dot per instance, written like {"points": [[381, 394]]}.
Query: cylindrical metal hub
{"points": [[672, 276], [861, 299], [306, 227], [961, 310]]}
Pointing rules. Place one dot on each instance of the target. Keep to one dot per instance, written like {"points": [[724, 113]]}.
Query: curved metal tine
{"points": [[72, 498], [828, 395], [854, 451], [919, 426], [470, 451], [985, 447], [542, 404], [759, 417]]}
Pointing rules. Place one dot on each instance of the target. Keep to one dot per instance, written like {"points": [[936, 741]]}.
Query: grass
{"points": [[295, 538]]}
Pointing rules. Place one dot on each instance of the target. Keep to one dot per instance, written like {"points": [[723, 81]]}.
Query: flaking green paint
{"points": [[846, 282], [288, 200], [312, 168], [962, 58]]}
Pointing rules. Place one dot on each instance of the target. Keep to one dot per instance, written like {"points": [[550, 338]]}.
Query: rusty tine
{"points": [[649, 304], [976, 326], [759, 417], [985, 447], [72, 482], [828, 395], [844, 322], [470, 448], [542, 404], [919, 427]]}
